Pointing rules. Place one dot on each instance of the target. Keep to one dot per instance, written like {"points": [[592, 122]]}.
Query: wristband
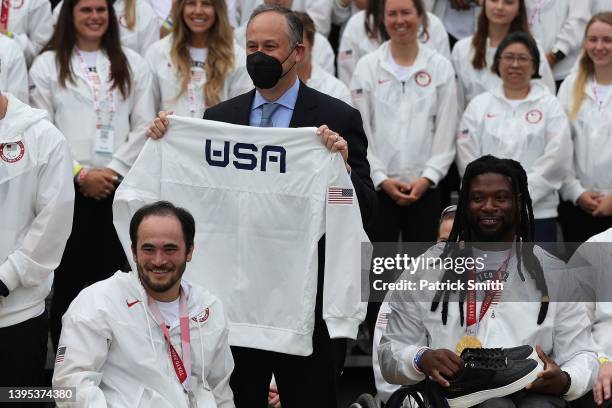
{"points": [[167, 23], [10, 34], [559, 55], [77, 169], [603, 360], [416, 363]]}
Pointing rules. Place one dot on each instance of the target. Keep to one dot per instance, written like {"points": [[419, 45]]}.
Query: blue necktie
{"points": [[268, 110]]}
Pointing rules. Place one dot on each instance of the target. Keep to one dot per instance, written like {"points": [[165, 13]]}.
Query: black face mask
{"points": [[265, 70]]}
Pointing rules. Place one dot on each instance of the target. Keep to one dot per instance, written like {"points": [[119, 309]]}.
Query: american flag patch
{"points": [[357, 93], [61, 353], [383, 319], [345, 55], [337, 195]]}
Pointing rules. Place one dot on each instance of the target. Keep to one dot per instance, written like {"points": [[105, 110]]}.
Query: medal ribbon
{"points": [[182, 367], [491, 297], [95, 90], [4, 14]]}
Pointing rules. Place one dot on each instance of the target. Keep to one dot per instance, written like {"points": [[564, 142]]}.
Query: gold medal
{"points": [[467, 342]]}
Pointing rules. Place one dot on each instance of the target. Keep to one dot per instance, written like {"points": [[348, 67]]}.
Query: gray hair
{"points": [[294, 24]]}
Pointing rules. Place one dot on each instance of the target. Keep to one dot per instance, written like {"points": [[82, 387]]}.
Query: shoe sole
{"points": [[481, 396]]}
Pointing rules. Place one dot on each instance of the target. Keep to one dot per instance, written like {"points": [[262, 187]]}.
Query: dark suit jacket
{"points": [[314, 108]]}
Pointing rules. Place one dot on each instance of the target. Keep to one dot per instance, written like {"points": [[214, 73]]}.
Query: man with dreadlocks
{"points": [[494, 214]]}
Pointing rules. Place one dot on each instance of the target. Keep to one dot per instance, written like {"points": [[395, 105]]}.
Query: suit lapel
{"points": [[304, 113], [242, 109]]}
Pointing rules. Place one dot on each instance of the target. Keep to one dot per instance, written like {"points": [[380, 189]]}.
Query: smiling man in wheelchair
{"points": [[512, 345]]}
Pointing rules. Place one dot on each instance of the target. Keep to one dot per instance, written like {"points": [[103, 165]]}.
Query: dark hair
{"points": [[421, 11], [64, 40], [373, 24], [164, 208], [523, 219], [308, 25], [294, 24], [479, 41], [527, 40]]}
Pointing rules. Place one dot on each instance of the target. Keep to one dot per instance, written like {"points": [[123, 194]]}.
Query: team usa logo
{"points": [[422, 78], [202, 316], [247, 156], [12, 152], [17, 4], [533, 116]]}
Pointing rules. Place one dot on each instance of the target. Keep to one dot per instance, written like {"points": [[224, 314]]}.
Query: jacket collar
{"points": [[536, 92], [420, 63]]}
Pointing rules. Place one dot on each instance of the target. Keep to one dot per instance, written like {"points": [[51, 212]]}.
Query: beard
{"points": [[176, 273]]}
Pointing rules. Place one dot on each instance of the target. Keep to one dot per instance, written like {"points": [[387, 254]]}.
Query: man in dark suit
{"points": [[274, 48]]}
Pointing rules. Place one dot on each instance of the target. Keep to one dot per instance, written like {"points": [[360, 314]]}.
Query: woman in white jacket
{"points": [[364, 32], [473, 56], [523, 121], [407, 97], [198, 65], [586, 96], [138, 23], [98, 95]]}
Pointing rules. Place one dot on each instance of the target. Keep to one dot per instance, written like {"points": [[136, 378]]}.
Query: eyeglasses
{"points": [[520, 59]]}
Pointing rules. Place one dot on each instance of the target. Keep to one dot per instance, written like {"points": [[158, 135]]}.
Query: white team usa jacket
{"points": [[410, 124], [592, 136], [328, 84], [36, 203], [114, 353], [565, 333], [145, 31], [535, 133], [472, 82], [30, 22], [129, 121], [166, 81], [262, 198], [355, 43], [13, 71], [559, 24]]}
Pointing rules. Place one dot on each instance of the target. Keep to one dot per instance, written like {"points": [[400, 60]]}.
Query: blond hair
{"points": [[220, 58], [586, 68], [130, 14]]}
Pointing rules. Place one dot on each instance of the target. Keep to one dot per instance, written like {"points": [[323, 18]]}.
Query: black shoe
{"points": [[514, 353], [484, 379]]}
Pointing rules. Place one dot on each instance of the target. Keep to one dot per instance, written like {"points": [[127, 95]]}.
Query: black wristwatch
{"points": [[559, 55], [4, 291], [568, 385]]}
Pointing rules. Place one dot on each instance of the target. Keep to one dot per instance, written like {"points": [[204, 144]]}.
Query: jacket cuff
{"points": [[577, 389], [118, 167], [378, 176], [432, 175], [342, 327], [572, 192], [406, 365], [9, 275]]}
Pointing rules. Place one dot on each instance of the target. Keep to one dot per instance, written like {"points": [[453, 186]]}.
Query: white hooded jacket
{"points": [[328, 84], [355, 43], [167, 83], [559, 24], [13, 71], [536, 134], [592, 136], [115, 354], [64, 104], [564, 334], [473, 82], [410, 124], [36, 201], [30, 22]]}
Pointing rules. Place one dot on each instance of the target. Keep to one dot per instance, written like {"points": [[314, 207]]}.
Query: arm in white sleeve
{"points": [[343, 309], [239, 81], [222, 365], [468, 137], [86, 341], [149, 32], [383, 388], [574, 350], [152, 57], [552, 167], [443, 144], [41, 250], [325, 54], [38, 32], [17, 77], [404, 336], [43, 86], [548, 78], [363, 102], [347, 55], [142, 112], [320, 11], [572, 32]]}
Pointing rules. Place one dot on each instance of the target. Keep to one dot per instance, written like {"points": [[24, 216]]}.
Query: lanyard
{"points": [[535, 14], [94, 82], [182, 367], [596, 94], [491, 297], [4, 14]]}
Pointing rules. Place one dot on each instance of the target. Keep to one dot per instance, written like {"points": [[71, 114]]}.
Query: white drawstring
{"points": [[148, 326], [202, 357]]}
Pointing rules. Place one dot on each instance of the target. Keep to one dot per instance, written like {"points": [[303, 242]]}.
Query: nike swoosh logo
{"points": [[382, 81], [491, 115], [130, 304]]}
